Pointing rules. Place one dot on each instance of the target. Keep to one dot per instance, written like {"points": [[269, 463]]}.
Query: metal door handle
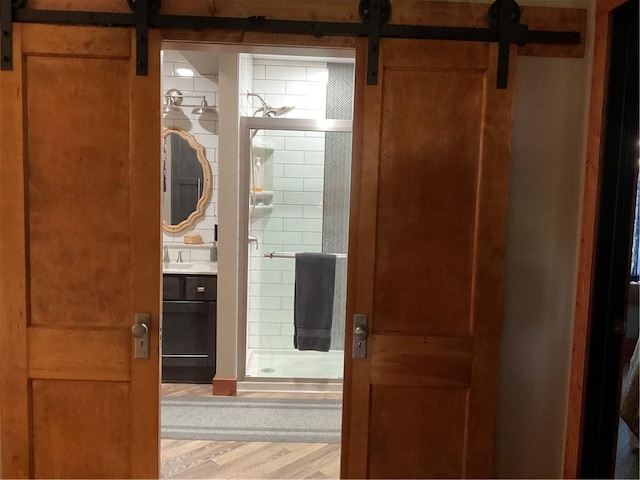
{"points": [[200, 289], [360, 334], [140, 332]]}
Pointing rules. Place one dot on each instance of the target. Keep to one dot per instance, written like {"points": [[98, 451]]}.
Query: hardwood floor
{"points": [[205, 459], [257, 460], [185, 390], [191, 390]]}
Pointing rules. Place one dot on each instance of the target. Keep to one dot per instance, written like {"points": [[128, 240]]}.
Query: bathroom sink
{"points": [[190, 268], [176, 266]]}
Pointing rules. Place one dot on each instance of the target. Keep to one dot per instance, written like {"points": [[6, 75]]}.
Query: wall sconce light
{"points": [[173, 100], [204, 108]]}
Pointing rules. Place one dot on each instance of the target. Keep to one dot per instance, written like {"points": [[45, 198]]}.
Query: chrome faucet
{"points": [[165, 254], [179, 260]]}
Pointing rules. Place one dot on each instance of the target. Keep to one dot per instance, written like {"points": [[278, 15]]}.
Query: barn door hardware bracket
{"points": [[504, 19], [7, 8], [143, 10], [374, 13]]}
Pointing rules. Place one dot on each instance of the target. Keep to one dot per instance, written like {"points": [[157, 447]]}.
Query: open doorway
{"points": [[279, 188], [626, 464], [611, 396]]}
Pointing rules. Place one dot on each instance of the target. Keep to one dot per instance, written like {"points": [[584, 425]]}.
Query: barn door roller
{"points": [[503, 17]]}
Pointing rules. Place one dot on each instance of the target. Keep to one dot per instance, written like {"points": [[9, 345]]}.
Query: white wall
{"points": [[543, 224]]}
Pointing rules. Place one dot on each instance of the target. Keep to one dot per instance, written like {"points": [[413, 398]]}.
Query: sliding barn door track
{"points": [[503, 17]]}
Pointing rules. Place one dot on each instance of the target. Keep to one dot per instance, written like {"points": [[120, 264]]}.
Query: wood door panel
{"points": [[417, 433], [51, 40], [454, 55], [420, 361], [429, 220], [64, 353], [80, 159], [427, 195], [69, 284], [69, 418]]}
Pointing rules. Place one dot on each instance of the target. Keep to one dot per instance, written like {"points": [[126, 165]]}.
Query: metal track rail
{"points": [[503, 15]]}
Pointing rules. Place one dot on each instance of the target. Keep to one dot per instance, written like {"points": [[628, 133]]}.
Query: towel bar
{"points": [[293, 255]]}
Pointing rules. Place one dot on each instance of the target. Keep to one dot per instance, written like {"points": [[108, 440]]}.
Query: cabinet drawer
{"points": [[171, 287], [201, 288], [188, 341]]}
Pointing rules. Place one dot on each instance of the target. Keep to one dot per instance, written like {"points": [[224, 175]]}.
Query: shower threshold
{"points": [[284, 385], [292, 370]]}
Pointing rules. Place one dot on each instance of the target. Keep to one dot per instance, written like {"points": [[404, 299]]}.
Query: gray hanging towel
{"points": [[313, 301]]}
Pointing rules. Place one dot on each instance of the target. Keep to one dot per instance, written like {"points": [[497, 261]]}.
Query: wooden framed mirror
{"points": [[186, 180]]}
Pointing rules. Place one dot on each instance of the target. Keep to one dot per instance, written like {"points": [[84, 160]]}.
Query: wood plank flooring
{"points": [[205, 459], [257, 460], [191, 390]]}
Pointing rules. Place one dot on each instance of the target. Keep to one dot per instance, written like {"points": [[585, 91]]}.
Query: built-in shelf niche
{"points": [[261, 199]]}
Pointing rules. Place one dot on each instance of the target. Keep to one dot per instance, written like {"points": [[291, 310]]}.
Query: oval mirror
{"points": [[186, 180]]}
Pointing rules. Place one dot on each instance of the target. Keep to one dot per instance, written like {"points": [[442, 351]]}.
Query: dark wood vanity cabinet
{"points": [[189, 328]]}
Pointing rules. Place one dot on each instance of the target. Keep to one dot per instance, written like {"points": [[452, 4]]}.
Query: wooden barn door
{"points": [[79, 254], [426, 261]]}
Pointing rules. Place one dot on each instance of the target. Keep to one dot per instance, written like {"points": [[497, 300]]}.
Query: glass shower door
{"points": [[299, 186]]}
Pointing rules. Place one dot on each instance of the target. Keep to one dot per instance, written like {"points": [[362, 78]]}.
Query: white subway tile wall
{"points": [[178, 73], [295, 172]]}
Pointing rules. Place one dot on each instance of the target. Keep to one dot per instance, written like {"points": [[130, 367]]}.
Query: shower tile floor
{"points": [[263, 363]]}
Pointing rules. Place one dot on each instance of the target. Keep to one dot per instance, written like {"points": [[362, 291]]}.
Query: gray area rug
{"points": [[251, 419]]}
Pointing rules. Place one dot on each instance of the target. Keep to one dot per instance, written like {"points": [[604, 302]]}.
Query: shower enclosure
{"points": [[294, 197]]}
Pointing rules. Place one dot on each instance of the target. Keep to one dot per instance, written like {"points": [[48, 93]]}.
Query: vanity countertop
{"points": [[190, 268]]}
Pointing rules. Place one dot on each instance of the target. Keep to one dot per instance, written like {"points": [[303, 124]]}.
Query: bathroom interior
{"points": [[266, 134]]}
